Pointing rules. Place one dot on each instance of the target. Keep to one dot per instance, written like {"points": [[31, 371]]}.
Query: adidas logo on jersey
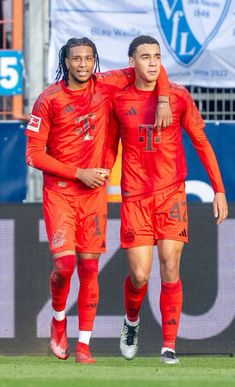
{"points": [[131, 112], [103, 245], [183, 233], [68, 109]]}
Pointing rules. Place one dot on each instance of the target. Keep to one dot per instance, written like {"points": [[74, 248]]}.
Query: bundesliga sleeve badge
{"points": [[34, 123]]}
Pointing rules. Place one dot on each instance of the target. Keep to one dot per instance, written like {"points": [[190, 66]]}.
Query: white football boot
{"points": [[129, 340]]}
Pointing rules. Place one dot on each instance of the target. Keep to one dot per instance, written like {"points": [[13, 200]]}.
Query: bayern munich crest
{"points": [[187, 26]]}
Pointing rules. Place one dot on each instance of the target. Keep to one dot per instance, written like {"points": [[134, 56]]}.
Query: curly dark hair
{"points": [[62, 71]]}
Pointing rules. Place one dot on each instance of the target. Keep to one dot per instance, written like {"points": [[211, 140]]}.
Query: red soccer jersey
{"points": [[153, 162], [72, 126]]}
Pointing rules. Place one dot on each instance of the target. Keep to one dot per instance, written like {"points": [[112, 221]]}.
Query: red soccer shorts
{"points": [[161, 216], [75, 222]]}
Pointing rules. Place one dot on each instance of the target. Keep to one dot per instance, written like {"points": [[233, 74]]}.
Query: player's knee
{"points": [[63, 268], [170, 269], [139, 278], [87, 267]]}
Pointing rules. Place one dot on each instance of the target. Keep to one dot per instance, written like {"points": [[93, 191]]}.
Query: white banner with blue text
{"points": [[197, 37]]}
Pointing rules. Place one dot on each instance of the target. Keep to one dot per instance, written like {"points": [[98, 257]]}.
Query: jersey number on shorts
{"points": [[179, 211]]}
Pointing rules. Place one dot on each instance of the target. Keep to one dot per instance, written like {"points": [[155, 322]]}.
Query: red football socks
{"points": [[88, 294], [60, 280], [133, 298], [171, 299]]}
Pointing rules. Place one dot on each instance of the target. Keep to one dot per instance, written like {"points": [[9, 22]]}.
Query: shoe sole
{"points": [[83, 359], [170, 362], [59, 356], [125, 355]]}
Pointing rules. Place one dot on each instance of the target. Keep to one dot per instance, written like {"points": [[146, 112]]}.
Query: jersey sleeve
{"points": [[118, 78], [37, 132], [112, 140], [123, 77], [163, 86], [40, 119], [37, 157], [194, 126]]}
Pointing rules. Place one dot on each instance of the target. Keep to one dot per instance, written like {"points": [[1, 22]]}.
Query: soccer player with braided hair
{"points": [[66, 138]]}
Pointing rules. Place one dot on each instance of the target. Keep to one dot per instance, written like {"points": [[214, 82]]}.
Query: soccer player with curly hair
{"points": [[66, 139]]}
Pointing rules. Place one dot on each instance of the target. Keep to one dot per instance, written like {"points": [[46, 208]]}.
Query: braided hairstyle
{"points": [[142, 39], [62, 70]]}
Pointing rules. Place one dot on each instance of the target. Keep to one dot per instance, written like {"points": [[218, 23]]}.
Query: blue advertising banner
{"points": [[12, 160], [222, 139], [13, 170], [11, 79]]}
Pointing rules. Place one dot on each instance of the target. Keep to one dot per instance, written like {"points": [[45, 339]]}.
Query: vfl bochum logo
{"points": [[187, 26]]}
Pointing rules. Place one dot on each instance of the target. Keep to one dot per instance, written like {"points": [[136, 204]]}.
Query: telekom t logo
{"points": [[86, 126], [148, 136]]}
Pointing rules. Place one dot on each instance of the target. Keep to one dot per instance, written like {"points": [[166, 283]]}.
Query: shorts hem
{"points": [[179, 239], [91, 251], [174, 238], [137, 245]]}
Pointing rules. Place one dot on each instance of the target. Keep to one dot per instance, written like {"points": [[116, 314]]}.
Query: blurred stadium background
{"points": [[31, 32]]}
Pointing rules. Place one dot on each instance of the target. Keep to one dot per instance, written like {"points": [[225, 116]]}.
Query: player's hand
{"points": [[220, 207], [92, 177], [107, 173], [163, 116]]}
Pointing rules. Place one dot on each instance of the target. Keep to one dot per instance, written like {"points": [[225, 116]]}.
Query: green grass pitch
{"points": [[40, 371]]}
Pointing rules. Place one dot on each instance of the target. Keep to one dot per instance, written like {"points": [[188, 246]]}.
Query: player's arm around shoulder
{"points": [[220, 207], [163, 116], [118, 78]]}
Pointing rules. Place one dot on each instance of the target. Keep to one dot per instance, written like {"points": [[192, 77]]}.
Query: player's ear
{"points": [[67, 63], [131, 62]]}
